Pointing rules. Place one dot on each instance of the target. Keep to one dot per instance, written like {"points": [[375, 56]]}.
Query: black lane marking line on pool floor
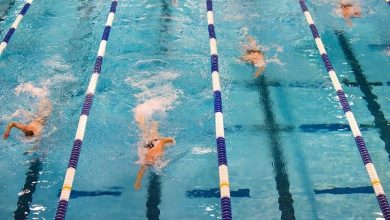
{"points": [[373, 106], [355, 84], [6, 10], [256, 128], [330, 127], [154, 197], [24, 200], [290, 128], [76, 193], [279, 162], [164, 31], [304, 85], [154, 189], [379, 46], [346, 190], [214, 193]]}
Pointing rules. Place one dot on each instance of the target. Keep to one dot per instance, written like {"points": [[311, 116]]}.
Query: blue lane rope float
{"points": [[70, 172], [226, 211], [14, 25], [376, 184]]}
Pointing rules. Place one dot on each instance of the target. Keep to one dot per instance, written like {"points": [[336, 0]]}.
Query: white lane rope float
{"points": [[226, 211], [375, 182], [70, 172], [14, 25]]}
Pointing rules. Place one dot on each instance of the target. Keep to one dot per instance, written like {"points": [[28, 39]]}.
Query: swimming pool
{"points": [[289, 147]]}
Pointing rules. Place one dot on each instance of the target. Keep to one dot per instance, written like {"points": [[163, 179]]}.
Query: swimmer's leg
{"points": [[259, 71], [141, 171], [31, 150]]}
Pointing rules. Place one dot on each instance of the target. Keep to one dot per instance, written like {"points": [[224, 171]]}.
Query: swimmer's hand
{"points": [[137, 185], [6, 135], [168, 140], [8, 130]]}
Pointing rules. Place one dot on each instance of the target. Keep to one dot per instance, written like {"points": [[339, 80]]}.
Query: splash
{"points": [[56, 62], [43, 91], [156, 97], [58, 79], [29, 88], [249, 43], [40, 95], [202, 150], [20, 114], [244, 31]]}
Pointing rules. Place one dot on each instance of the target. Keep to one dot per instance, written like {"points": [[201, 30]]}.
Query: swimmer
{"points": [[33, 129], [154, 147], [254, 56], [349, 11]]}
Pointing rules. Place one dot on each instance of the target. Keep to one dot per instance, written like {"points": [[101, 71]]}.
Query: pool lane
{"points": [[373, 106], [154, 189], [279, 162]]}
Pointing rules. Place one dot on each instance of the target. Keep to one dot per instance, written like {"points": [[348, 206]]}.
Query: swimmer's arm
{"points": [[167, 140], [16, 125]]}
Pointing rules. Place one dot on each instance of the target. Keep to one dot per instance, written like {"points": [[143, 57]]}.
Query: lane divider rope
{"points": [[379, 192], [70, 172], [14, 25], [226, 211]]}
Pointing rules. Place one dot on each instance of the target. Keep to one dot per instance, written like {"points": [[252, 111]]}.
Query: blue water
{"points": [[159, 51]]}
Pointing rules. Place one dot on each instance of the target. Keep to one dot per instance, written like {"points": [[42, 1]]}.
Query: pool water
{"points": [[290, 152]]}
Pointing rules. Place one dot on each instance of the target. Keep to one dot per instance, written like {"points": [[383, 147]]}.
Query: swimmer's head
{"points": [[151, 143], [29, 133]]}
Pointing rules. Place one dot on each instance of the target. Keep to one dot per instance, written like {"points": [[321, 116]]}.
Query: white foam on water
{"points": [[20, 114], [56, 62], [37, 208], [244, 31], [58, 79], [202, 150], [44, 90], [32, 90], [158, 95], [139, 81]]}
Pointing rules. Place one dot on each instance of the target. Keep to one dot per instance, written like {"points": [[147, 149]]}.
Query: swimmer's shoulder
{"points": [[35, 127]]}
